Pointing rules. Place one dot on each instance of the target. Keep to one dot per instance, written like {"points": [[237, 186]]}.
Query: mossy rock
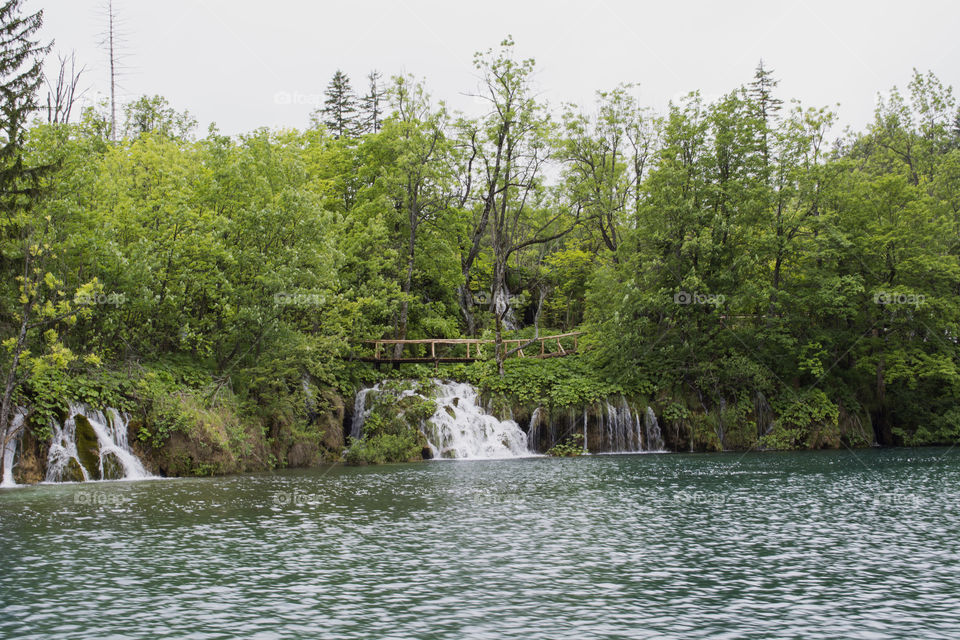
{"points": [[72, 472], [331, 421], [112, 467], [29, 468], [88, 447]]}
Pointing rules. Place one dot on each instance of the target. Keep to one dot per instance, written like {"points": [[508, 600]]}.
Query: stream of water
{"points": [[831, 544]]}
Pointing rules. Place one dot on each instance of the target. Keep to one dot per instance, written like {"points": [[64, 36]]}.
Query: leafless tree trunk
{"points": [[62, 94]]}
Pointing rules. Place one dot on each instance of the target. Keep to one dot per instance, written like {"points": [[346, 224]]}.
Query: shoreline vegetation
{"points": [[754, 282]]}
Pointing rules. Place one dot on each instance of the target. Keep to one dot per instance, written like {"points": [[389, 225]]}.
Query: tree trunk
{"points": [[465, 300], [405, 302]]}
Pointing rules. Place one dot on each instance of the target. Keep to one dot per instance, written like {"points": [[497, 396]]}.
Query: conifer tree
{"points": [[761, 91], [340, 108], [21, 74], [371, 105]]}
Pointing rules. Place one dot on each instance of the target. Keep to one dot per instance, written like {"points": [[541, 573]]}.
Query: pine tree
{"points": [[340, 108], [21, 74], [761, 91], [371, 105]]}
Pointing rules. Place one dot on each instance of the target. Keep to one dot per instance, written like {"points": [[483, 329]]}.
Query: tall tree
{"points": [[371, 105], [605, 156], [339, 110], [420, 173], [21, 75], [111, 43], [767, 104], [513, 149], [62, 93]]}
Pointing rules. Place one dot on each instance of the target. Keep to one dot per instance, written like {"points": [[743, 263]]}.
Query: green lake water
{"points": [[776, 545]]}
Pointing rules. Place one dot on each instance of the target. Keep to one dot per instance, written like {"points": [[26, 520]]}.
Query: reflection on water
{"points": [[793, 545]]}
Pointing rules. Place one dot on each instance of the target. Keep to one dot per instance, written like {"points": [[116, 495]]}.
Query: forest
{"points": [[750, 272]]}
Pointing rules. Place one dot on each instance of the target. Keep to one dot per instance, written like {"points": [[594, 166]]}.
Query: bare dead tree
{"points": [[112, 43], [64, 92]]}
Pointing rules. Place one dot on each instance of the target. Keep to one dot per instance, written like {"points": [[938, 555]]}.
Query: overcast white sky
{"points": [[236, 62]]}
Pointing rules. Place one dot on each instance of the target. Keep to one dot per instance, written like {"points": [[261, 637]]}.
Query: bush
{"points": [[569, 448]]}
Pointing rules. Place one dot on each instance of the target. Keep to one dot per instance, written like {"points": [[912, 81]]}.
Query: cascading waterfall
{"points": [[619, 428], [533, 431], [461, 429], [63, 457], [360, 412], [99, 452]]}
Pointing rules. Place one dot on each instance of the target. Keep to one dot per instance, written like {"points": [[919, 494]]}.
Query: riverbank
{"points": [[539, 407]]}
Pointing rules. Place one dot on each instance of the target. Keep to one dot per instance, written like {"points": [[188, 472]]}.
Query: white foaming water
{"points": [[360, 412], [10, 449], [461, 429], [111, 432]]}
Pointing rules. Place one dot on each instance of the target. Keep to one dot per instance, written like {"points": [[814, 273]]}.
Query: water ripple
{"points": [[799, 545]]}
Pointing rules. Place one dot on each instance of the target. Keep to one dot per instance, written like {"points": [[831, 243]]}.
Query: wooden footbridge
{"points": [[447, 350]]}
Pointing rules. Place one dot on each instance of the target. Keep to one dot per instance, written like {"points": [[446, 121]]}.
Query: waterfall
{"points": [[10, 449], [103, 453], [533, 431], [461, 429], [618, 428], [585, 430], [63, 452], [652, 427], [360, 412]]}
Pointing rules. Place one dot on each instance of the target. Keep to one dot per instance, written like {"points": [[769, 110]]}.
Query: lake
{"points": [[833, 544]]}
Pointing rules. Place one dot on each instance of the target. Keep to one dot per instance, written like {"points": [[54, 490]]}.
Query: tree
{"points": [[605, 157], [340, 108], [111, 43], [62, 93], [767, 105], [420, 174], [39, 300], [153, 114], [371, 108], [513, 149]]}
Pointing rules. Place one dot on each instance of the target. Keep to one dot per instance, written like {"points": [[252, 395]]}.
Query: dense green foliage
{"points": [[723, 258], [569, 448], [392, 432]]}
